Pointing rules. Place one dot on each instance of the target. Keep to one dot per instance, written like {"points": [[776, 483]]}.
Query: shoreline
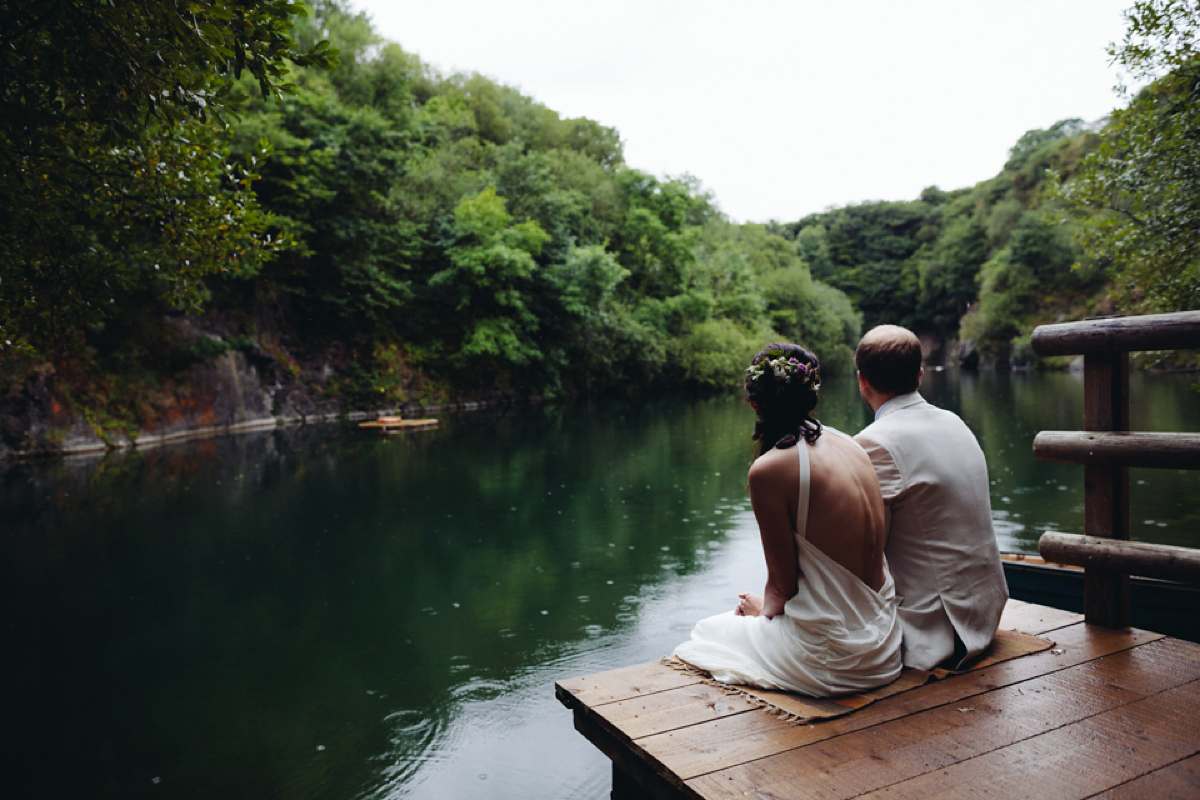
{"points": [[97, 446]]}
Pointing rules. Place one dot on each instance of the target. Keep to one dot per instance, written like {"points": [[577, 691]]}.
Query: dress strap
{"points": [[802, 502]]}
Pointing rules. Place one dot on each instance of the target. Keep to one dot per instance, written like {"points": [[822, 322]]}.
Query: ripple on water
{"points": [[477, 690], [417, 740], [407, 721]]}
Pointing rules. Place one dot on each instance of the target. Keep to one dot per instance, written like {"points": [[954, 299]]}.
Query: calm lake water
{"points": [[323, 613]]}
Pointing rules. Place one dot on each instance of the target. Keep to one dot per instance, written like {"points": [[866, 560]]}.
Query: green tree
{"points": [[947, 275], [655, 242], [1033, 140], [332, 185], [1138, 196], [112, 173], [484, 287], [813, 247], [712, 354]]}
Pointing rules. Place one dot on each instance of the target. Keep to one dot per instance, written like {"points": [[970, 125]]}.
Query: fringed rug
{"points": [[800, 709]]}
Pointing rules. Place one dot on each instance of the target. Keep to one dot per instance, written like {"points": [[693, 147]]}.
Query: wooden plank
{"points": [[1178, 781], [699, 749], [850, 765], [1177, 331], [1077, 760], [1165, 562], [800, 709], [1033, 619], [620, 684], [1119, 449], [675, 708], [1106, 488]]}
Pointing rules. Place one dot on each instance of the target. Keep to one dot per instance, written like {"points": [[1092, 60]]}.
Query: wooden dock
{"points": [[1105, 713]]}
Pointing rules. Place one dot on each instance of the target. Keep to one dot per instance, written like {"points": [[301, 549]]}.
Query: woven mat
{"points": [[800, 709]]}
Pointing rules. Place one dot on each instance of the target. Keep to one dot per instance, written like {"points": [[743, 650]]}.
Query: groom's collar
{"points": [[898, 402]]}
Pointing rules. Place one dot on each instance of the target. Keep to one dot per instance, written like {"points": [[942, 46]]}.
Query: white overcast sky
{"points": [[786, 108]]}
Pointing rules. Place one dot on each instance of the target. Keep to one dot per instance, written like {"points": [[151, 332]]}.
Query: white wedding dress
{"points": [[836, 635]]}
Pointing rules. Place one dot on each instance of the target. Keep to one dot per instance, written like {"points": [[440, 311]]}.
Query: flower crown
{"points": [[785, 369]]}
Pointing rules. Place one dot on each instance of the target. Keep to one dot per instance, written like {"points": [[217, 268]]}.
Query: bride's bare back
{"points": [[846, 517]]}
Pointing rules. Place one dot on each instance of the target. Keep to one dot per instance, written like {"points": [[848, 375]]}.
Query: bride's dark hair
{"points": [[783, 382]]}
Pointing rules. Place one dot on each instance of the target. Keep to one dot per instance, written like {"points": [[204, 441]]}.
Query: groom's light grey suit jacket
{"points": [[941, 548]]}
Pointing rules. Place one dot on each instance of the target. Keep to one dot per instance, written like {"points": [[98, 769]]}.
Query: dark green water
{"points": [[322, 613]]}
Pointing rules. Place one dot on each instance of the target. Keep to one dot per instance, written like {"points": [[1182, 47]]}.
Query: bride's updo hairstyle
{"points": [[784, 382]]}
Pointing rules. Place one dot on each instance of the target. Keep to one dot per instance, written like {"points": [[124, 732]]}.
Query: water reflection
{"points": [[316, 612], [311, 613]]}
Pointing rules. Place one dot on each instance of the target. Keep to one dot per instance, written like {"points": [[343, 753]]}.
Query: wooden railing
{"points": [[1106, 449]]}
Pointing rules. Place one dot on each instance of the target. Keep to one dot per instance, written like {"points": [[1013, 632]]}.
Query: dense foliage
{"points": [[984, 264], [1139, 195], [113, 177], [453, 227]]}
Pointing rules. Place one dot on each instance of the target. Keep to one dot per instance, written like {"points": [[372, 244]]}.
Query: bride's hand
{"points": [[750, 605]]}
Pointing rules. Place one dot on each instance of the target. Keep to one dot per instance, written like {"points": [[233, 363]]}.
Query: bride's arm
{"points": [[770, 484]]}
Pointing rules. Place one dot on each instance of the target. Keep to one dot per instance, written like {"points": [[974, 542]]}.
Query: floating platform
{"points": [[1103, 713], [398, 424]]}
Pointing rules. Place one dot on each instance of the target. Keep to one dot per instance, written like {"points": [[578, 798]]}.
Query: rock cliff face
{"points": [[241, 389], [234, 391], [225, 393], [32, 420]]}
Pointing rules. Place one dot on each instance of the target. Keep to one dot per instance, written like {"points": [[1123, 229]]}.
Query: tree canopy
{"points": [[113, 174], [1138, 195]]}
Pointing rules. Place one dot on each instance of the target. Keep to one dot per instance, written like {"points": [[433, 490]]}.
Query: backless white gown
{"points": [[836, 636]]}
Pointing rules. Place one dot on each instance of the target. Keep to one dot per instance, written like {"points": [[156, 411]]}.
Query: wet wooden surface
{"points": [[1104, 713]]}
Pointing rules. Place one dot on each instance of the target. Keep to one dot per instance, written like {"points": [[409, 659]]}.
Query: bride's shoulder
{"points": [[836, 432], [774, 465]]}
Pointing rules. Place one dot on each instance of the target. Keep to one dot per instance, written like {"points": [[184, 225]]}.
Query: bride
{"points": [[826, 621]]}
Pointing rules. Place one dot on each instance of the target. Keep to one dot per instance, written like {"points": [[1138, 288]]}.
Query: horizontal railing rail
{"points": [[1178, 331], [1120, 448], [1162, 561]]}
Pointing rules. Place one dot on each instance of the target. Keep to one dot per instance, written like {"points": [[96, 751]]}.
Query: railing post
{"points": [[1106, 488]]}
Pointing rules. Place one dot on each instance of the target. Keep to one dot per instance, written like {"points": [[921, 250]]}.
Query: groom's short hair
{"points": [[889, 358]]}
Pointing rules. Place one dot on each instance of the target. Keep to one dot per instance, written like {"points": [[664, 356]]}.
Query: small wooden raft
{"points": [[1104, 713], [397, 424]]}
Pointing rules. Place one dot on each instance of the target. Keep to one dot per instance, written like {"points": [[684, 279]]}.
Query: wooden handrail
{"points": [[1163, 561], [1177, 331], [1119, 448], [1107, 449]]}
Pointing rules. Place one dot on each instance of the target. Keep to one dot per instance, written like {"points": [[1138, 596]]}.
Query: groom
{"points": [[941, 548]]}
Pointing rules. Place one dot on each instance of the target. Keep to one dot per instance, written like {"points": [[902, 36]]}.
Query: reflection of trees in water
{"points": [[241, 602]]}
